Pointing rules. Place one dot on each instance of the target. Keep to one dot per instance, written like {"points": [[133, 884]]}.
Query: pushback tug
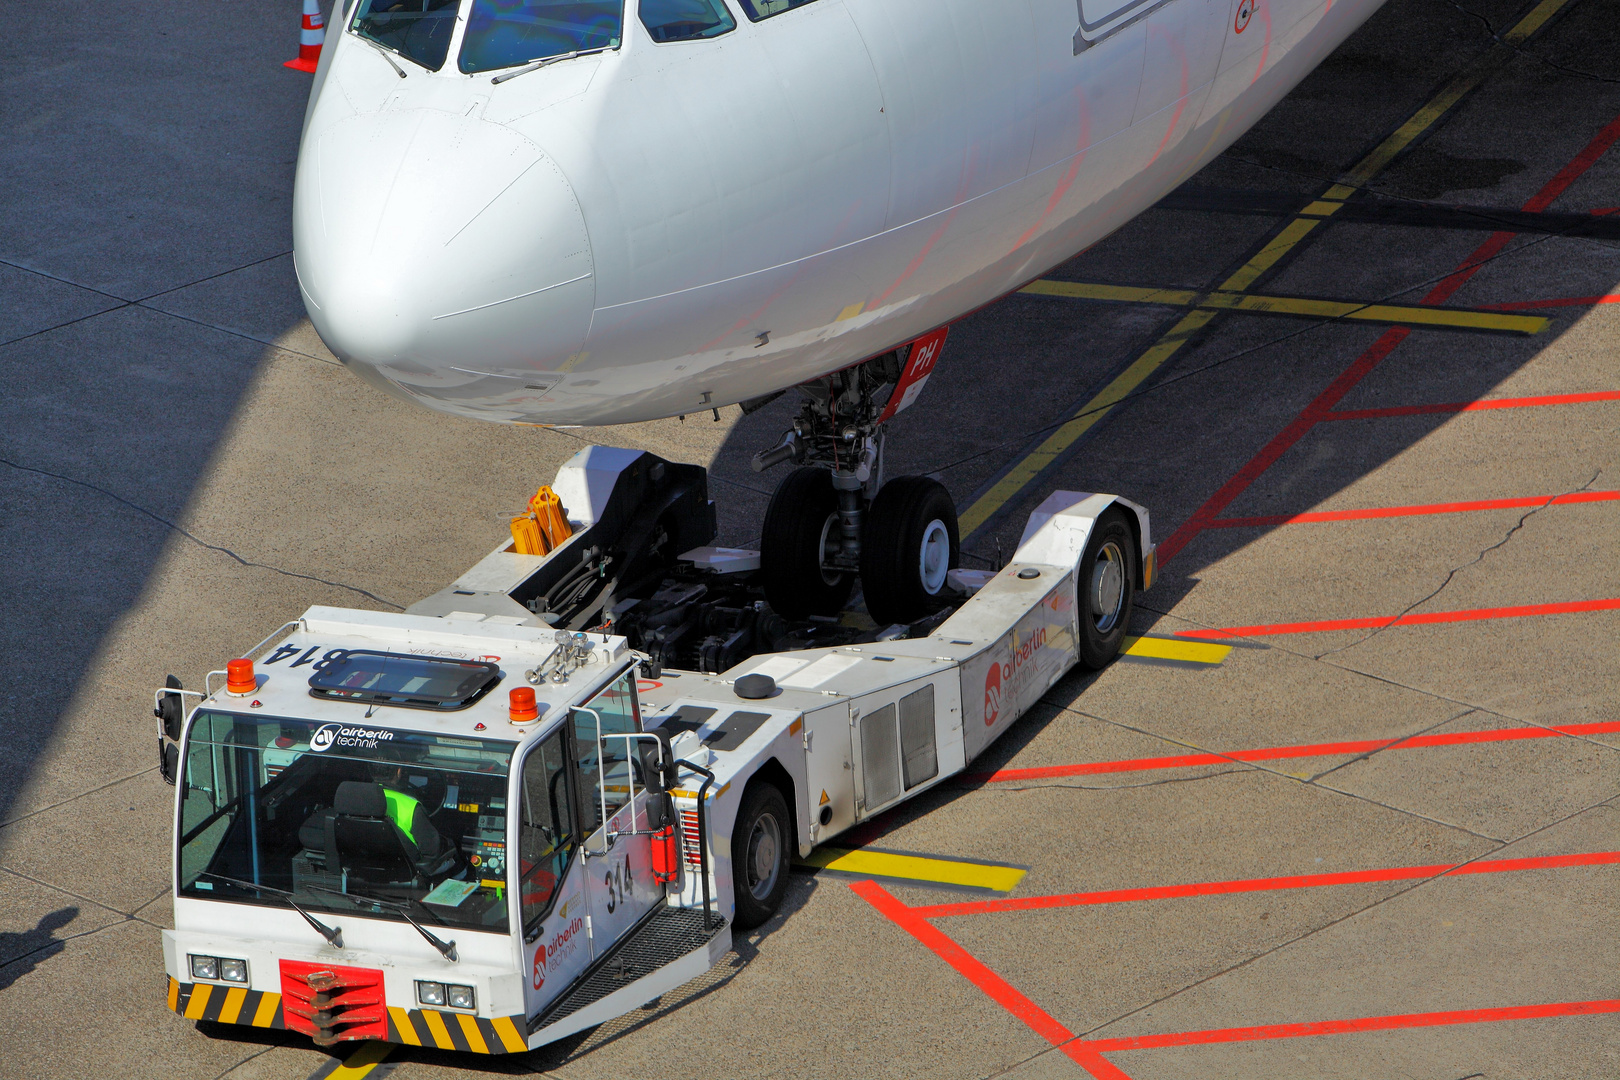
{"points": [[551, 792]]}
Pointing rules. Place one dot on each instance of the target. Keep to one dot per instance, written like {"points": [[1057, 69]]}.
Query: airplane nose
{"points": [[432, 248]]}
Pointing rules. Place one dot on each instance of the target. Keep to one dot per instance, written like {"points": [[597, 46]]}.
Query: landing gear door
{"points": [[619, 885]]}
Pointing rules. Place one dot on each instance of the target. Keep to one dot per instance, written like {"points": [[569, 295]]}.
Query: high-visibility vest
{"points": [[401, 811]]}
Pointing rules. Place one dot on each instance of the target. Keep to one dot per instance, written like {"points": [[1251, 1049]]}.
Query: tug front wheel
{"points": [[801, 531], [909, 545], [760, 843], [1107, 587]]}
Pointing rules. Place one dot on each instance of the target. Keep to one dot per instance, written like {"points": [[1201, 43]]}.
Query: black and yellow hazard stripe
{"points": [[412, 1027], [456, 1031], [226, 1004]]}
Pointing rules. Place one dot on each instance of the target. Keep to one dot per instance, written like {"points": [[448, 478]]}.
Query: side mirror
{"points": [[171, 710], [168, 760], [660, 811], [660, 776]]}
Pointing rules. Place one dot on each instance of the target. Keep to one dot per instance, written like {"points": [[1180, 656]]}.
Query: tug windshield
{"points": [[506, 33], [349, 819], [418, 30]]}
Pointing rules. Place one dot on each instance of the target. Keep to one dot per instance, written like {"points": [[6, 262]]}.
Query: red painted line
{"points": [[1282, 442], [1414, 511], [1474, 406], [999, 990], [1564, 301], [1279, 753], [1418, 619], [1271, 884], [1367, 1023]]}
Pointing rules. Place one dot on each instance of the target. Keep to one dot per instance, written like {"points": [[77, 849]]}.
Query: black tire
{"points": [[909, 544], [802, 516], [1106, 582], [761, 842]]}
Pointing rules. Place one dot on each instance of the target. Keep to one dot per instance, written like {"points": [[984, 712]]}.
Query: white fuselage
{"points": [[660, 228]]}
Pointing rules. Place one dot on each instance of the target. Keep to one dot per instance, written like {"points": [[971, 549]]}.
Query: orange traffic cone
{"points": [[310, 38]]}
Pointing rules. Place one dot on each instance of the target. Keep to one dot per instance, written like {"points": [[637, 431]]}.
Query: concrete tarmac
{"points": [[184, 467]]}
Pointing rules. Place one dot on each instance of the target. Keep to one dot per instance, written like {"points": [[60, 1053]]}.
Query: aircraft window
{"points": [[685, 20], [506, 33], [418, 30], [764, 9]]}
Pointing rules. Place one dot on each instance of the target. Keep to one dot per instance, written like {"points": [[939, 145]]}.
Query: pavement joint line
{"points": [[1025, 472], [74, 798], [1419, 510], [192, 536], [1258, 304], [1417, 741], [1279, 883], [129, 916], [1258, 767]]}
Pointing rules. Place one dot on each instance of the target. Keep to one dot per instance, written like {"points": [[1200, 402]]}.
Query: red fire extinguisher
{"points": [[665, 864]]}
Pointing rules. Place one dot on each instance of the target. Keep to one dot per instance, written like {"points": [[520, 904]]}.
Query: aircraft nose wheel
{"points": [[801, 535], [909, 545]]}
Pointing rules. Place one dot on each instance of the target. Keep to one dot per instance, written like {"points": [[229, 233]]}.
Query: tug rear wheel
{"points": [[801, 530], [909, 545], [1107, 586]]}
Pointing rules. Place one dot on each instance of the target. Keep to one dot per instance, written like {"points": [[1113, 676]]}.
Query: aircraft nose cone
{"points": [[434, 248]]}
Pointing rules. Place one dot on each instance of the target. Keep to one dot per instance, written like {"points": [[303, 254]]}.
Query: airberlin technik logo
{"points": [[329, 735], [992, 694], [548, 954]]}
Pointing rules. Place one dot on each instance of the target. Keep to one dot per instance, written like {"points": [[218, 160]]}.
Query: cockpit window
{"points": [[684, 20], [418, 30], [764, 9], [506, 33]]}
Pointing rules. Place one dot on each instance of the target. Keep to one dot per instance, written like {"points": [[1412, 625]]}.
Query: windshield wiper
{"points": [[333, 934], [536, 65], [385, 54], [447, 949]]}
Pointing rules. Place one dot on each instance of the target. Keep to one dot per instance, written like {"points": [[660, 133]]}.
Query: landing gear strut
{"points": [[833, 518]]}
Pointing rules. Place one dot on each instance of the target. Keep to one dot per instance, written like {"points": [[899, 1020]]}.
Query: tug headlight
{"points": [[459, 997], [430, 993], [218, 968]]}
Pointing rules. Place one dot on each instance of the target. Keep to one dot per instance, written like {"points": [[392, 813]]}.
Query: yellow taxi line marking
{"points": [[1024, 472], [1156, 648], [1297, 305], [916, 868], [361, 1062]]}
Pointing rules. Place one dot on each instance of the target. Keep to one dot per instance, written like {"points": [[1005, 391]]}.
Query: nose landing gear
{"points": [[833, 518]]}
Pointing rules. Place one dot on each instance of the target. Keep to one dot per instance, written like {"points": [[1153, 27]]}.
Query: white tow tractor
{"points": [[549, 793]]}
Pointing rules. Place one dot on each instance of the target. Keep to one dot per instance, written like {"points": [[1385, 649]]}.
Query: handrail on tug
{"points": [[703, 834]]}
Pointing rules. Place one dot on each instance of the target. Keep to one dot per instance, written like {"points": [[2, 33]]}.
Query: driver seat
{"points": [[360, 838]]}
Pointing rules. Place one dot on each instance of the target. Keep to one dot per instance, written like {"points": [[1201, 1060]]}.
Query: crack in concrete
{"points": [[1475, 561], [1397, 894], [165, 522], [1370, 754]]}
